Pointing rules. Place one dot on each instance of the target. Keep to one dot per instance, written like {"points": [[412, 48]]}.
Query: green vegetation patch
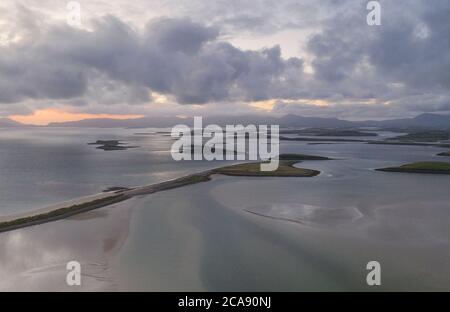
{"points": [[434, 167], [285, 169], [61, 213], [111, 145], [301, 157], [424, 136]]}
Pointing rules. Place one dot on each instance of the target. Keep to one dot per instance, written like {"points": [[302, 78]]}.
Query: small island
{"points": [[300, 157], [444, 154], [430, 167], [423, 136], [285, 169], [200, 148], [116, 189], [305, 139], [407, 143], [329, 132], [111, 145]]}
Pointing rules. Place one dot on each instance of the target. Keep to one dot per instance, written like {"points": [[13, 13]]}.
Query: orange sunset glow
{"points": [[45, 116]]}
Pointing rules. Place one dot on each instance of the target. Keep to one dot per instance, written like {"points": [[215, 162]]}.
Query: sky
{"points": [[126, 59]]}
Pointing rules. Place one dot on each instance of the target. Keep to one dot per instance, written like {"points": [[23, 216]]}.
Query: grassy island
{"points": [[329, 132], [386, 142], [111, 145], [424, 136], [285, 169], [432, 167], [300, 157], [302, 139], [444, 154]]}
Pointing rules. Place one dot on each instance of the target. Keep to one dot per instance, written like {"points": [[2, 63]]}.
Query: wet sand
{"points": [[87, 203], [35, 258], [253, 234], [202, 238]]}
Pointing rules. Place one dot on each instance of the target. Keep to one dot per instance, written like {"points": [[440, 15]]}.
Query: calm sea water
{"points": [[309, 234], [227, 234], [43, 166]]}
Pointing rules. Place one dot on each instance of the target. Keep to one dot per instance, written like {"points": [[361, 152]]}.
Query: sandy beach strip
{"points": [[64, 204], [87, 203], [96, 201]]}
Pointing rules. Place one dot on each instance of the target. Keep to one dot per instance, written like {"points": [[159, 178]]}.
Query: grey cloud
{"points": [[172, 56], [178, 35], [343, 110], [392, 53], [404, 62], [15, 109], [28, 75], [408, 106]]}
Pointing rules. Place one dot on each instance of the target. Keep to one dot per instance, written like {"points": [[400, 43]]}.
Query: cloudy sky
{"points": [[194, 57]]}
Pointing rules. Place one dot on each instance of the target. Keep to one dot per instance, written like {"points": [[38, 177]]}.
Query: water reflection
{"points": [[35, 258]]}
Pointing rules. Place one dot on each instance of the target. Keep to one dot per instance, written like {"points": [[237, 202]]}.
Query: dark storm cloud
{"points": [[172, 56], [404, 107], [410, 47], [405, 62], [33, 75], [416, 50]]}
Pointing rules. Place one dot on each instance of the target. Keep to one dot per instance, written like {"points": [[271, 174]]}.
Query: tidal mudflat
{"points": [[297, 234], [114, 195], [245, 233]]}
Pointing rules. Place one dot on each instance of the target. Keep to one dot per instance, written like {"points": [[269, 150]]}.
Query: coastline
{"points": [[407, 170], [421, 167], [87, 203]]}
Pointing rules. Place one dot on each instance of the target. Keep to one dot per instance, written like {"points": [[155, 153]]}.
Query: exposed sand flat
{"points": [[68, 203], [87, 203]]}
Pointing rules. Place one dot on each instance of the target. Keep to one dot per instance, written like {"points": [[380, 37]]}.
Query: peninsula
{"points": [[431, 167], [111, 145], [118, 194]]}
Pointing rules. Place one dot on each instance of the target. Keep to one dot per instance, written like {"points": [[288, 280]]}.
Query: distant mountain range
{"points": [[434, 121], [7, 123], [427, 121]]}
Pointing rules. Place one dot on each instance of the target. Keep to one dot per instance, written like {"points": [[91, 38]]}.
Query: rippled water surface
{"points": [[232, 233]]}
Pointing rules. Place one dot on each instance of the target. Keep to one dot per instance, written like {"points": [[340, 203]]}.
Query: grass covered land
{"points": [[286, 169], [406, 143], [300, 139], [433, 167], [301, 157], [424, 136], [61, 213], [329, 132], [111, 145]]}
